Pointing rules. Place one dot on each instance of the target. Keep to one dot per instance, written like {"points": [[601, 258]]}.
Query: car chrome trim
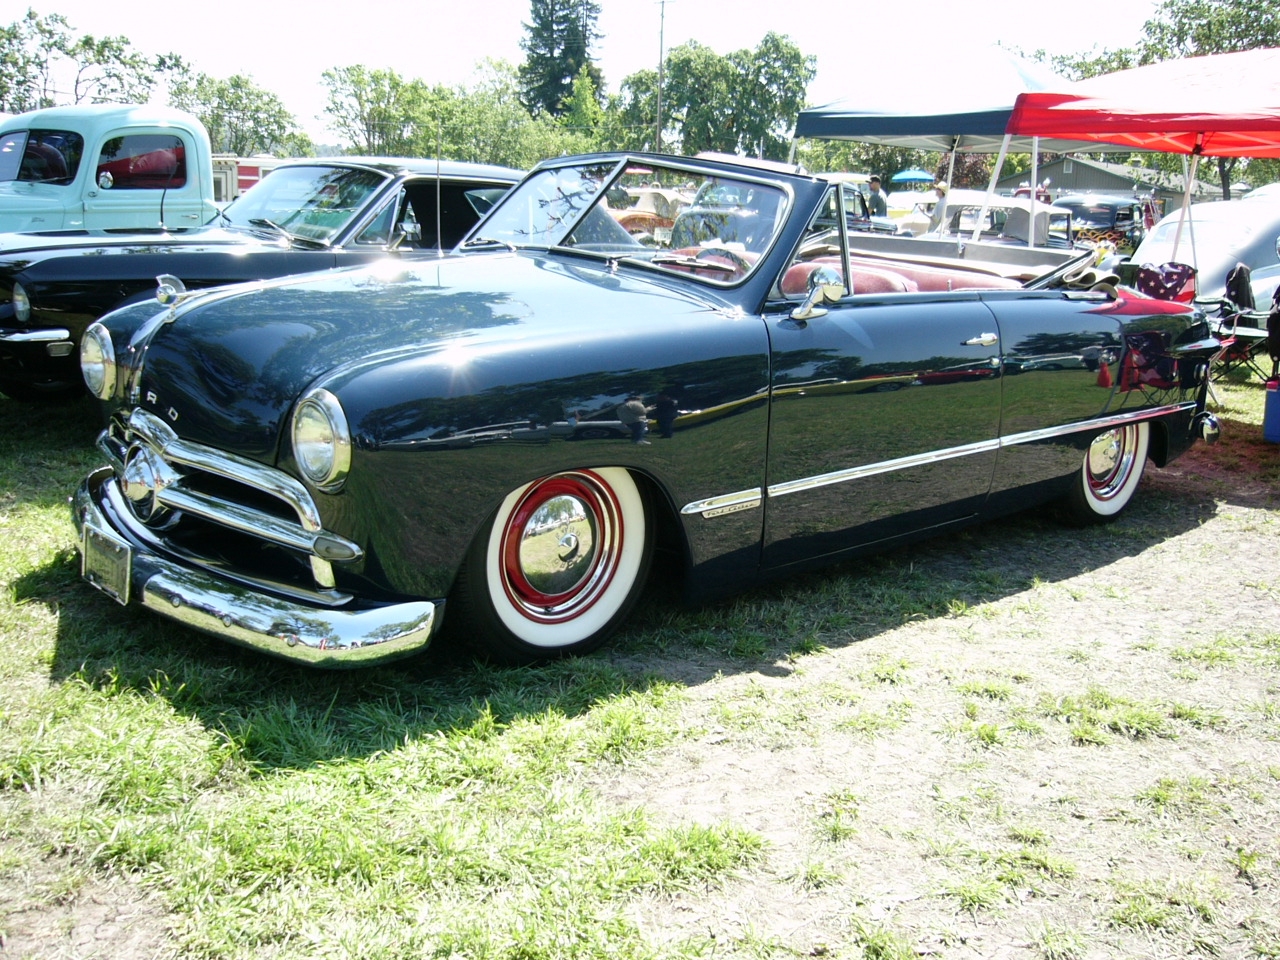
{"points": [[48, 335], [885, 466], [307, 535], [242, 614], [121, 519], [985, 446], [1099, 423], [727, 503]]}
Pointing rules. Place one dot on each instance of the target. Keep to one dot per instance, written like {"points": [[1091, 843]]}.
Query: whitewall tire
{"points": [[557, 568]]}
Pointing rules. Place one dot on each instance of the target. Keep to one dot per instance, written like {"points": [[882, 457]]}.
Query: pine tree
{"points": [[557, 46]]}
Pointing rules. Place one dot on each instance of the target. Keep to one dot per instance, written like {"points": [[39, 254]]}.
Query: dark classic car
{"points": [[335, 468], [304, 216], [1122, 221]]}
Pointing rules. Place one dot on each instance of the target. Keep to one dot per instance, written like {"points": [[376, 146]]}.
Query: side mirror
{"points": [[825, 286], [409, 230]]}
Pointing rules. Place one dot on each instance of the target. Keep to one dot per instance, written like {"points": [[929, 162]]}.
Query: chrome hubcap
{"points": [[560, 547], [1110, 461]]}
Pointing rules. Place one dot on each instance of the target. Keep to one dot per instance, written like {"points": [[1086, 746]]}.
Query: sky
{"points": [[285, 45]]}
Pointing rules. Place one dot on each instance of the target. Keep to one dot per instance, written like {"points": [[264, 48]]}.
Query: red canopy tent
{"points": [[1224, 105]]}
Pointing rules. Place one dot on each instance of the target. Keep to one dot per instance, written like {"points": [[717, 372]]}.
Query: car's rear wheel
{"points": [[557, 567], [1110, 473]]}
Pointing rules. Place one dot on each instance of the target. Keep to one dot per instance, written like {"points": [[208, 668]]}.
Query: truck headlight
{"points": [[21, 304], [321, 440], [98, 361]]}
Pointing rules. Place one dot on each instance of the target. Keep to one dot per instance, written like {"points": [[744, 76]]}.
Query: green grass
{"points": [[443, 808]]}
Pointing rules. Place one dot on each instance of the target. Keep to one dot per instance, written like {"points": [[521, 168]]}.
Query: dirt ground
{"points": [[942, 788], [929, 789]]}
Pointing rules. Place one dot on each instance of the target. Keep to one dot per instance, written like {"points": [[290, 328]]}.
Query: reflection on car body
{"points": [[336, 468]]}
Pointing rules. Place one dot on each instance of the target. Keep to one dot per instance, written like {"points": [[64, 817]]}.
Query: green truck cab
{"points": [[104, 167]]}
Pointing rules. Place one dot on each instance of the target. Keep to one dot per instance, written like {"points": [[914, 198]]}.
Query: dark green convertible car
{"points": [[336, 468]]}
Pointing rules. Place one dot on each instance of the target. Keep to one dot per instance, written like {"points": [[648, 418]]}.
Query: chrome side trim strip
{"points": [[50, 335], [1115, 420], [885, 466], [747, 499]]}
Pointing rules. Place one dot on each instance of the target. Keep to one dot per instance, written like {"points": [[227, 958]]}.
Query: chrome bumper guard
{"points": [[130, 571]]}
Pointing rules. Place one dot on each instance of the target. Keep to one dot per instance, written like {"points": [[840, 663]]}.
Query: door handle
{"points": [[982, 340]]}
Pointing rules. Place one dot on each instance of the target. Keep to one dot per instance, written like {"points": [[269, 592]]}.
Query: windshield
{"points": [[1092, 215], [40, 156], [316, 203], [712, 227]]}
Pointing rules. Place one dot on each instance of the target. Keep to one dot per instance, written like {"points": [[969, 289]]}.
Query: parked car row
{"points": [[306, 215]]}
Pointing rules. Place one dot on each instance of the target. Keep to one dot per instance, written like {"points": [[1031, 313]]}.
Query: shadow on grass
{"points": [[46, 448], [282, 715]]}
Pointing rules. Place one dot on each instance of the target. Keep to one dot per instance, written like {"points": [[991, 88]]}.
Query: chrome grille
{"points": [[164, 480]]}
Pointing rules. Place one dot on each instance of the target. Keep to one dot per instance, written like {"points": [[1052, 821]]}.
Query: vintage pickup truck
{"points": [[104, 167]]}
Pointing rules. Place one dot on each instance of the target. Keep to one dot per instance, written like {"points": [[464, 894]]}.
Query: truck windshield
{"points": [[40, 156], [315, 203]]}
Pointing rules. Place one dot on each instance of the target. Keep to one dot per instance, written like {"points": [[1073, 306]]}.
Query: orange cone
{"points": [[1104, 376]]}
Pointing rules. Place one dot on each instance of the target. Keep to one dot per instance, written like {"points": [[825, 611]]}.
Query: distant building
{"points": [[1075, 174]]}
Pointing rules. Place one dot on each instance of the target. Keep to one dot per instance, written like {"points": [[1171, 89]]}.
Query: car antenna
{"points": [[439, 228]]}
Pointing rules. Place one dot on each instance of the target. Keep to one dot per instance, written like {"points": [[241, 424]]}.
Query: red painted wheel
{"points": [[1110, 473], [558, 567]]}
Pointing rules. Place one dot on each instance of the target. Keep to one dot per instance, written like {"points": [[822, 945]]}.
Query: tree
{"points": [[488, 123], [376, 111], [557, 47], [582, 111], [241, 117], [744, 102], [37, 53]]}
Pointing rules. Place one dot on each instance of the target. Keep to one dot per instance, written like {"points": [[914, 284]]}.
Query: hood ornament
{"points": [[170, 291]]}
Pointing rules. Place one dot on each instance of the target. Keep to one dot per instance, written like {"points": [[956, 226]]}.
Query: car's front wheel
{"points": [[1110, 473], [556, 568]]}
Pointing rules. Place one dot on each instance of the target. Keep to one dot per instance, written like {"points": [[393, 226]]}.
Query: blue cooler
{"points": [[1271, 412]]}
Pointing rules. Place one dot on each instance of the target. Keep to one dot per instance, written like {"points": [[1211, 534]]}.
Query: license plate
{"points": [[106, 562]]}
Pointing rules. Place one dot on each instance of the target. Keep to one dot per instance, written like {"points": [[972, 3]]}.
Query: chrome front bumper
{"points": [[130, 571]]}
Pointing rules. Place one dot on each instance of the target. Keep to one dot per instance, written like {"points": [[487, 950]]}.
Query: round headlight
{"points": [[98, 361], [321, 440], [21, 304]]}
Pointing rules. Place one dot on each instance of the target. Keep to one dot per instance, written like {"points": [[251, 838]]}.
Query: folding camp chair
{"points": [[1241, 328]]}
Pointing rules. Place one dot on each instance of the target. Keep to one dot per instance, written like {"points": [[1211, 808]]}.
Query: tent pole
{"points": [[1035, 180], [1186, 196], [991, 185]]}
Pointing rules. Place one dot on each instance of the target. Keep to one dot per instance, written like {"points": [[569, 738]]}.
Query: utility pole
{"points": [[662, 56]]}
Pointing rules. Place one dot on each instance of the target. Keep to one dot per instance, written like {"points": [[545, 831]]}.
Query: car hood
{"points": [[228, 367], [56, 243]]}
